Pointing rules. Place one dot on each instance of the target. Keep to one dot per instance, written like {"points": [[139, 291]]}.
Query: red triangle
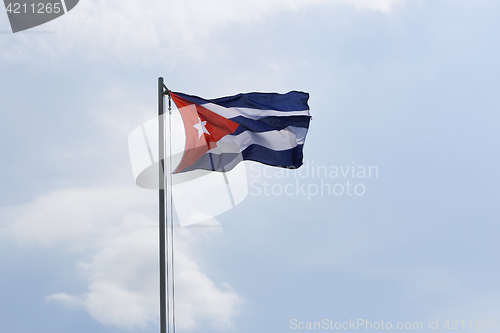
{"points": [[196, 145]]}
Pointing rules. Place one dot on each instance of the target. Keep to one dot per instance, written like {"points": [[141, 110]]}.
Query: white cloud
{"points": [[213, 304], [119, 240], [133, 31], [72, 217], [384, 6]]}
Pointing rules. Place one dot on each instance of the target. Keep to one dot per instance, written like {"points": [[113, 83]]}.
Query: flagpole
{"points": [[161, 180]]}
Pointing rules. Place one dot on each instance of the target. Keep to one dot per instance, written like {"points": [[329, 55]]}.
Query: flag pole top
{"points": [[166, 91]]}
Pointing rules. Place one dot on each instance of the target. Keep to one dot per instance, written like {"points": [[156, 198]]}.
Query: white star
{"points": [[201, 128]]}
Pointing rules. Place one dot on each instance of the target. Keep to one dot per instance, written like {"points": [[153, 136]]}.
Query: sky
{"points": [[405, 89]]}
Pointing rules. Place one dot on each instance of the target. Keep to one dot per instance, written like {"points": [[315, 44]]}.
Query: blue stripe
{"points": [[291, 158], [214, 162], [269, 123], [283, 122], [250, 125], [292, 101]]}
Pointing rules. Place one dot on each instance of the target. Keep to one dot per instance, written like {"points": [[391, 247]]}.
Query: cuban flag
{"points": [[269, 128]]}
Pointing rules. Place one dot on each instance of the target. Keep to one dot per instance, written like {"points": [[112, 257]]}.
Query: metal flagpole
{"points": [[161, 183], [167, 284]]}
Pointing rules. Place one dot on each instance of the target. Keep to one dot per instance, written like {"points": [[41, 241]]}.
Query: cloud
{"points": [[72, 217], [384, 6], [126, 31], [118, 240]]}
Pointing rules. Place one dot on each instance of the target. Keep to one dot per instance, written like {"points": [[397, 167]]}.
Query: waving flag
{"points": [[269, 128]]}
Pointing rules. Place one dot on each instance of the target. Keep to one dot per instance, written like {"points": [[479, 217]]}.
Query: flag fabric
{"points": [[269, 128]]}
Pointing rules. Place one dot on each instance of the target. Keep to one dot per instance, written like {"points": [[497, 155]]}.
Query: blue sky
{"points": [[407, 86]]}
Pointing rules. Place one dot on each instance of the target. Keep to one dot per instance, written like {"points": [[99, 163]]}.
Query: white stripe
{"points": [[64, 6], [284, 139], [251, 113], [300, 133]]}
